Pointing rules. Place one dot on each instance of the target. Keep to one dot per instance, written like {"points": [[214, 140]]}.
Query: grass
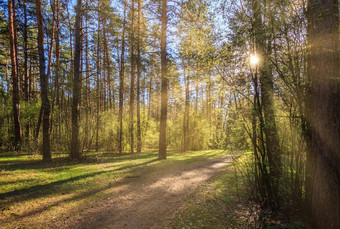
{"points": [[34, 191], [221, 203], [224, 203]]}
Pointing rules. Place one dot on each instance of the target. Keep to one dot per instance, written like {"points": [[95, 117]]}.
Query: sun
{"points": [[254, 59]]}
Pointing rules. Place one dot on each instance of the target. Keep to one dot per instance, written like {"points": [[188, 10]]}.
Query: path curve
{"points": [[147, 202]]}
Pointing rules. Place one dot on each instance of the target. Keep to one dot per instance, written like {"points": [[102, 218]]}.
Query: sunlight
{"points": [[254, 59]]}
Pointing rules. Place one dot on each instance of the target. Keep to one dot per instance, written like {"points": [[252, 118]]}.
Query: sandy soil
{"points": [[146, 201]]}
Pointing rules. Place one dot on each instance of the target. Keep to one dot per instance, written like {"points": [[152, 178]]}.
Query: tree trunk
{"points": [[87, 88], [186, 140], [75, 143], [25, 88], [132, 85], [121, 86], [98, 63], [323, 68], [139, 134], [49, 66], [164, 91], [15, 78], [45, 103], [57, 67], [108, 68]]}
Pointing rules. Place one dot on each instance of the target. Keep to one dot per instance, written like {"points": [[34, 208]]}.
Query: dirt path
{"points": [[149, 200]]}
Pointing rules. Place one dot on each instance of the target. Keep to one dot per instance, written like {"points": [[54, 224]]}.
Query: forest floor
{"points": [[107, 191]]}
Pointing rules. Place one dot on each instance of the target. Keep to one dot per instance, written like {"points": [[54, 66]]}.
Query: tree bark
{"points": [[98, 63], [186, 136], [15, 78], [57, 68], [25, 88], [45, 103], [75, 143], [132, 85], [121, 86], [49, 65], [323, 19], [108, 68], [87, 88], [139, 134], [164, 90]]}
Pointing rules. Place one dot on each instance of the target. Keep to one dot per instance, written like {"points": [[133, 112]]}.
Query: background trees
{"points": [[110, 40]]}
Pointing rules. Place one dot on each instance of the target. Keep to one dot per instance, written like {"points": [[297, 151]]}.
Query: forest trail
{"points": [[147, 201]]}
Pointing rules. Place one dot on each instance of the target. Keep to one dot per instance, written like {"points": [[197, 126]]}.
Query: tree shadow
{"points": [[93, 158], [45, 189], [42, 190], [158, 203], [85, 194]]}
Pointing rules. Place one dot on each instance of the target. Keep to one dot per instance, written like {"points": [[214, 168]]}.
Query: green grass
{"points": [[22, 171], [223, 203], [218, 204], [31, 188]]}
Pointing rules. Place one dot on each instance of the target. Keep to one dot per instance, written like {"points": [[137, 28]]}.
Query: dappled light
{"points": [[107, 180]]}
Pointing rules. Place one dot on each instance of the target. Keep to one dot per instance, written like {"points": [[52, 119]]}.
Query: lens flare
{"points": [[254, 60]]}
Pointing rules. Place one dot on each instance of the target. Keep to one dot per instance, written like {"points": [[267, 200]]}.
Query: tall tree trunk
{"points": [[186, 140], [69, 77], [132, 85], [121, 85], [98, 63], [108, 67], [15, 78], [48, 74], [323, 68], [75, 143], [87, 88], [307, 129], [209, 100], [150, 94], [164, 91], [139, 134], [57, 68], [25, 88], [49, 66], [45, 103]]}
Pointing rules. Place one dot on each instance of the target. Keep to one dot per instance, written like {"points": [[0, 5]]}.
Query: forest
{"points": [[170, 114]]}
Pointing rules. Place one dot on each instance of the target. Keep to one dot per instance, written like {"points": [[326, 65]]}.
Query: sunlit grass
{"points": [[218, 204], [23, 171], [31, 188], [224, 203]]}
